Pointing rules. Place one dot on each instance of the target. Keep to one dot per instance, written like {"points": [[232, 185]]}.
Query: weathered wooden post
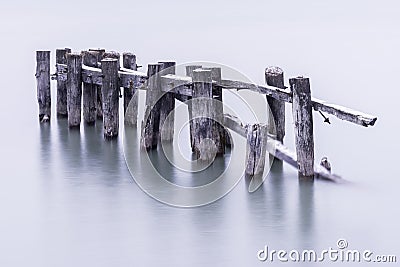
{"points": [[61, 58], [151, 121], [99, 102], [256, 148], [204, 138], [43, 85], [303, 121], [130, 93], [274, 77], [110, 95], [74, 89], [112, 54], [89, 93], [167, 105], [218, 110], [101, 51], [189, 73]]}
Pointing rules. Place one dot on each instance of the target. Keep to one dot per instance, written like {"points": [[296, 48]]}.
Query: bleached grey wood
{"points": [[278, 150], [130, 92], [100, 51], [94, 75], [110, 97], [114, 55], [167, 105], [344, 113], [43, 85], [204, 138], [89, 93], [233, 123], [74, 89], [99, 102], [126, 76], [256, 148], [105, 55], [276, 122], [61, 71], [218, 109], [189, 73], [176, 84], [151, 121], [303, 122], [182, 86], [341, 112], [275, 92], [61, 58]]}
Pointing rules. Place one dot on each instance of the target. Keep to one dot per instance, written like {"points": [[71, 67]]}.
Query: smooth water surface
{"points": [[67, 197]]}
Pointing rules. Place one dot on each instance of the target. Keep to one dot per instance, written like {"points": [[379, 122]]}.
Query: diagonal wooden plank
{"points": [[278, 150]]}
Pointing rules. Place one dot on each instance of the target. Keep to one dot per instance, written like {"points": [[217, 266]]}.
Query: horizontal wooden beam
{"points": [[131, 76], [94, 75], [182, 85], [277, 149], [275, 92], [344, 113], [176, 84], [91, 75]]}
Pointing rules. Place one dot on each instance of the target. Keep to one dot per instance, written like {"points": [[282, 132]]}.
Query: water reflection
{"points": [[166, 167], [306, 211], [92, 174], [277, 191], [45, 145], [102, 156], [267, 204]]}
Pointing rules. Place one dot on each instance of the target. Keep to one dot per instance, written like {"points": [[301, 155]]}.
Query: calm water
{"points": [[67, 197]]}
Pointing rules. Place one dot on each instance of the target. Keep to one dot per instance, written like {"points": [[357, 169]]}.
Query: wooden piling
{"points": [[99, 102], [43, 85], [189, 73], [112, 54], [89, 93], [61, 58], [130, 93], [204, 138], [167, 105], [151, 122], [218, 110], [274, 77], [74, 89], [276, 119], [110, 96], [256, 148], [303, 121]]}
